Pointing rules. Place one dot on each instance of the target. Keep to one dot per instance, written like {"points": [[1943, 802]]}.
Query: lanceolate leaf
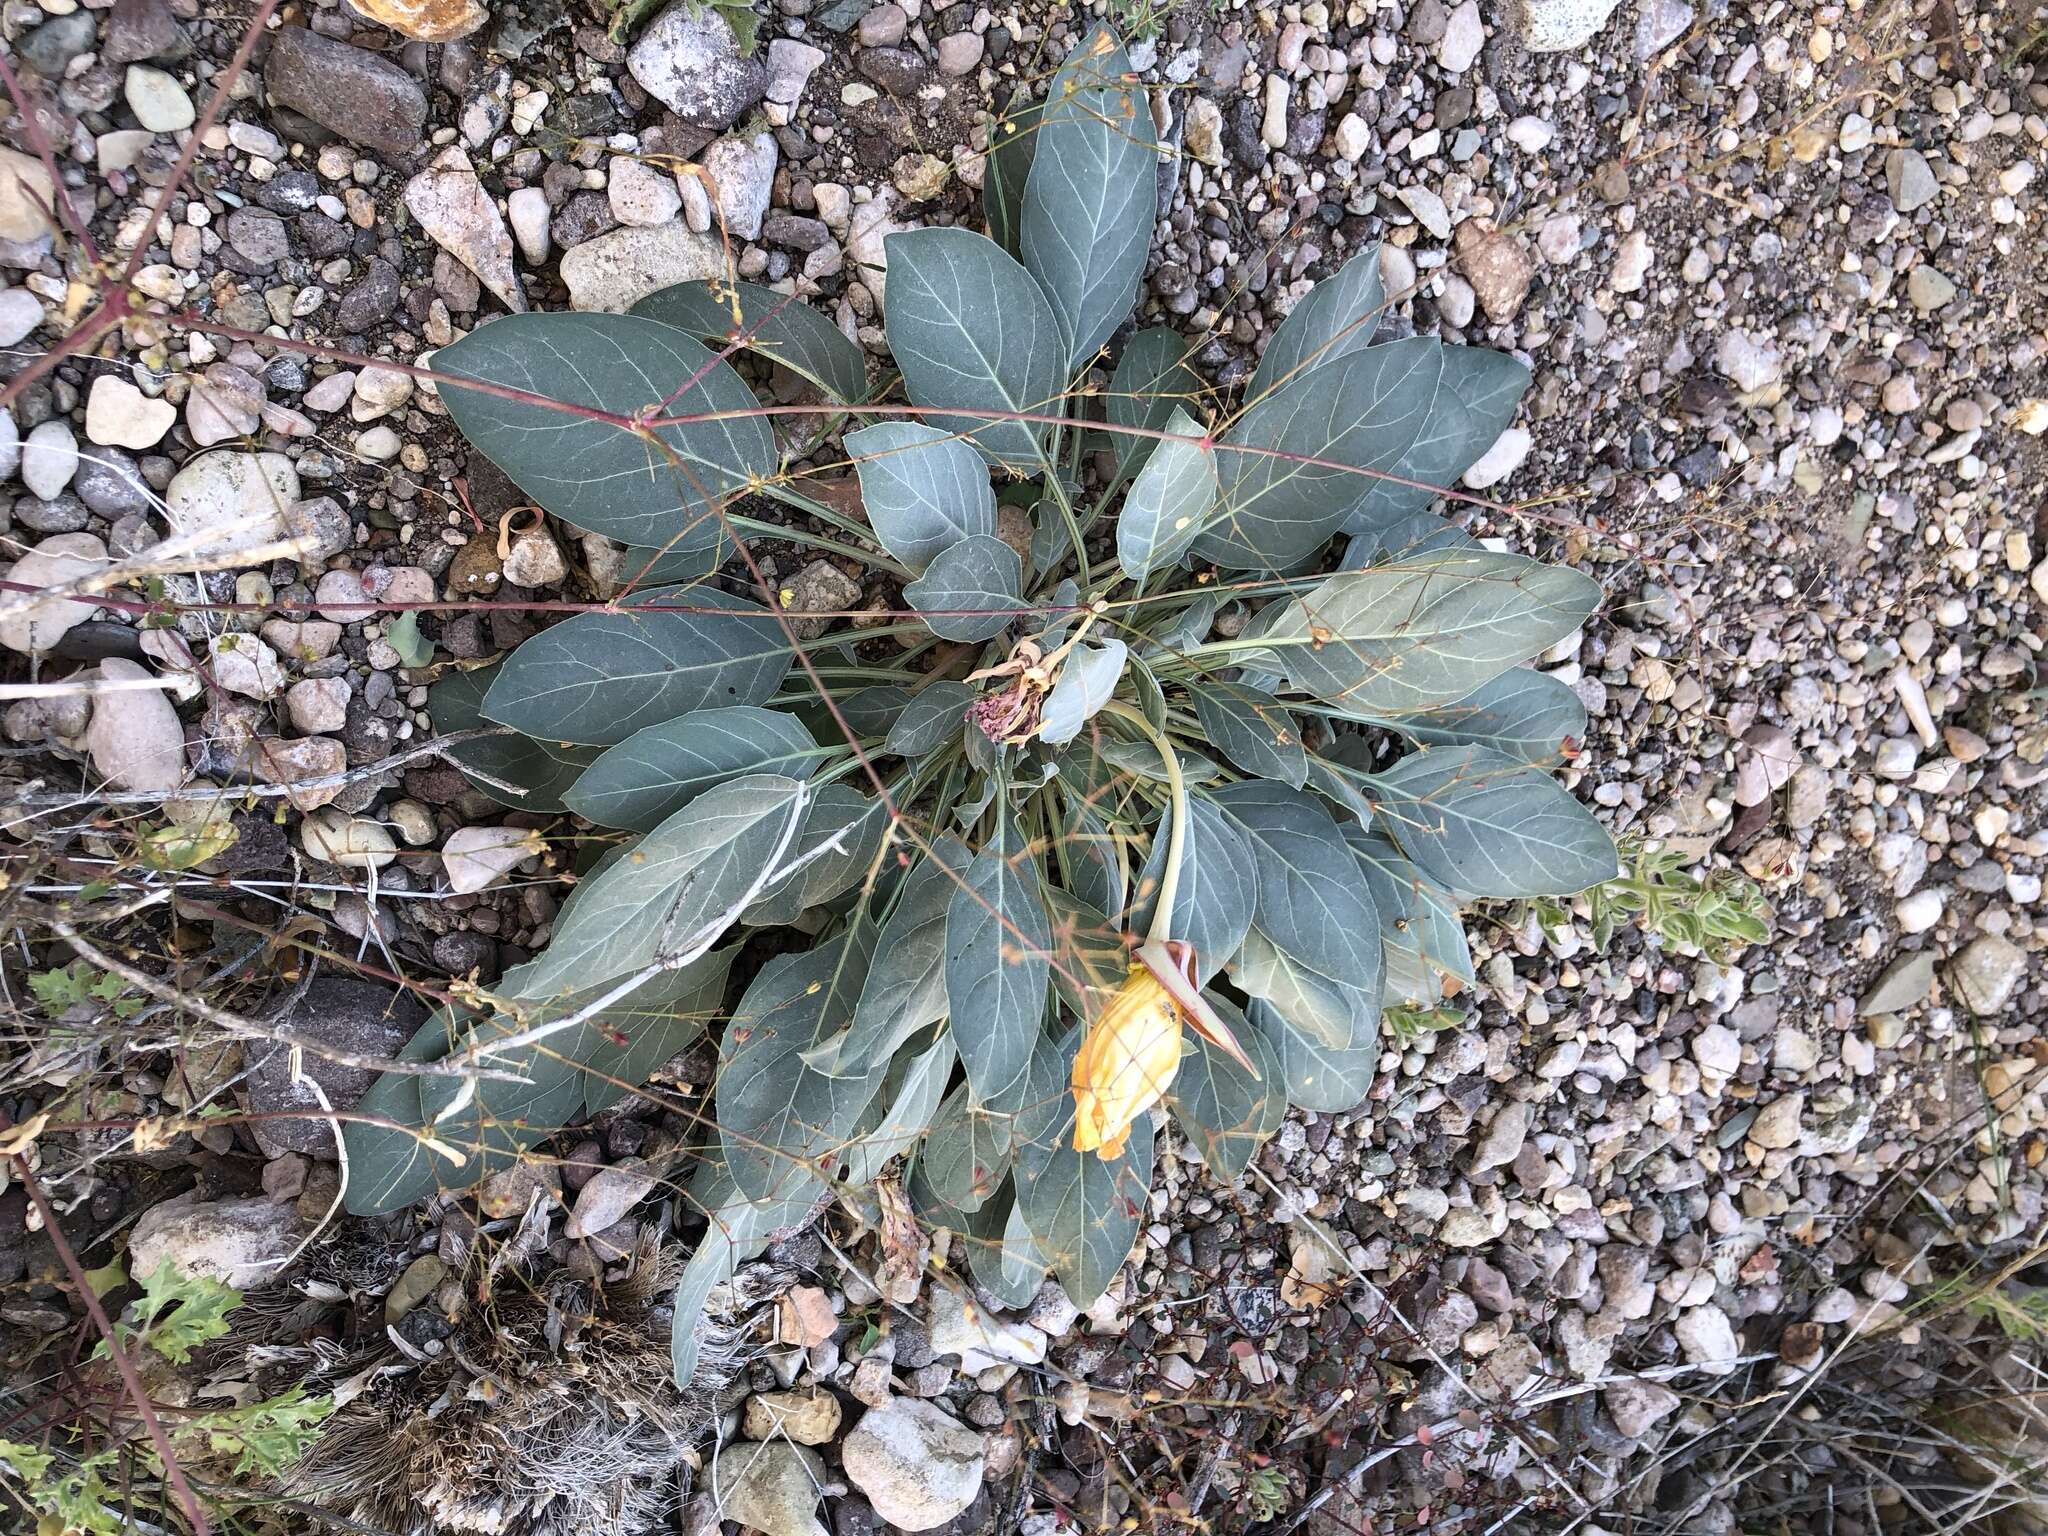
{"points": [[1481, 391], [1013, 144], [1525, 714], [388, 1169], [544, 769], [1332, 1014], [1317, 1076], [682, 881], [911, 1096], [1253, 729], [971, 328], [604, 478], [1402, 639], [1091, 197], [905, 989], [836, 810], [1169, 502], [998, 958], [1083, 1212], [1090, 959], [1407, 536], [1223, 1111], [776, 1116], [1336, 317], [1002, 1254], [1483, 823], [1311, 903], [739, 1228], [633, 1037], [924, 490], [599, 677], [932, 718], [1429, 962], [1089, 857], [654, 773], [1151, 382], [972, 591], [968, 1151], [1213, 906], [1364, 410], [777, 326], [1087, 680]]}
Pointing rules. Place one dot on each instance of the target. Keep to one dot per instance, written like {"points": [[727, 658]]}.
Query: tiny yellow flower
{"points": [[1126, 1063]]}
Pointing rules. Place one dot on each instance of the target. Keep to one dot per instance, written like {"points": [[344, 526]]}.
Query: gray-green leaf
{"points": [[1526, 714], [998, 958], [912, 1095], [655, 772], [970, 328], [680, 884], [1402, 639], [1083, 1211], [1335, 317], [545, 770], [1225, 1113], [972, 591], [1152, 381], [1213, 907], [1091, 198], [1169, 502], [859, 821], [1087, 681], [603, 477], [932, 718], [779, 327], [924, 490], [599, 677], [1486, 824], [1253, 729], [650, 1024]]}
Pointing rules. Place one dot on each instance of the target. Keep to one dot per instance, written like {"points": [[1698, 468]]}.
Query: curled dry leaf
{"points": [[905, 1247]]}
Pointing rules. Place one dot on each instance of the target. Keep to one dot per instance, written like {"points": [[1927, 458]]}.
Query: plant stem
{"points": [[767, 530], [1065, 503], [1177, 808]]}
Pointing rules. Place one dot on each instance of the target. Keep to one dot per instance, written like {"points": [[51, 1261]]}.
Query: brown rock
{"points": [[1499, 270], [426, 21]]}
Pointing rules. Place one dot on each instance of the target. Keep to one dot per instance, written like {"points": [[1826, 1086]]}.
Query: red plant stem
{"points": [[173, 1473]]}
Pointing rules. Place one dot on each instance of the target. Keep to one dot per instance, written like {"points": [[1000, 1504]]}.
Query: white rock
{"points": [[617, 270], [1920, 911], [1637, 1406], [1718, 1050], [790, 67], [1750, 361], [233, 501], [1428, 209], [1530, 134], [49, 459], [241, 1243], [1353, 141], [378, 392], [20, 313], [245, 665], [135, 739], [1558, 26], [1501, 460], [1777, 1126], [1708, 1339], [10, 446], [868, 227], [640, 194], [743, 170], [58, 561], [318, 704], [528, 210], [157, 100], [460, 217], [26, 197], [332, 392], [1632, 262], [1464, 35], [960, 1327], [918, 1467], [474, 857], [118, 415], [354, 842]]}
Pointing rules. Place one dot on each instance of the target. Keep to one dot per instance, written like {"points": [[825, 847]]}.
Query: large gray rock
{"points": [[360, 95], [689, 60], [770, 1486], [56, 562], [233, 501], [135, 739], [1636, 1406], [241, 1243], [616, 271], [918, 1467], [461, 217], [355, 1016]]}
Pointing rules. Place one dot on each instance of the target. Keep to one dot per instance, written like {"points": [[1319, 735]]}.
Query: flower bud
{"points": [[1126, 1063]]}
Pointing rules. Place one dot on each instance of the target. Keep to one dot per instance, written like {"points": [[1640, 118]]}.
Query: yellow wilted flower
{"points": [[1126, 1063]]}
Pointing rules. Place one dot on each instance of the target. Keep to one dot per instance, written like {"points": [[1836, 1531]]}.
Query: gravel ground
{"points": [[1777, 270]]}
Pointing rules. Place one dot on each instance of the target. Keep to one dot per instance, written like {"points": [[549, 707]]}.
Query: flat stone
{"points": [[240, 1243], [1904, 984], [743, 170], [55, 562], [425, 21], [20, 313], [1429, 210], [27, 196], [159, 103], [770, 1486], [135, 739], [617, 270], [1638, 1406], [118, 415], [235, 501], [461, 217], [359, 95], [358, 1017], [1708, 1339], [1464, 36], [1987, 973], [689, 60], [1910, 179], [1558, 26], [917, 1466], [1498, 268], [641, 195], [49, 458]]}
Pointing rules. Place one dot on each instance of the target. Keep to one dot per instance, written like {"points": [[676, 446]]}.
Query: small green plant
{"points": [[85, 1484], [1269, 1492], [1126, 762], [81, 985], [1711, 915]]}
